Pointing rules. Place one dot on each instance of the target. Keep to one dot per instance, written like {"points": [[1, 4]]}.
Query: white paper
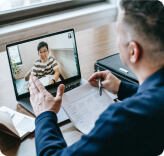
{"points": [[47, 79], [84, 106], [26, 124], [113, 96], [22, 123], [6, 120]]}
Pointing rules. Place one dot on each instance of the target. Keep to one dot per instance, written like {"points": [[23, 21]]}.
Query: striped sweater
{"points": [[41, 69]]}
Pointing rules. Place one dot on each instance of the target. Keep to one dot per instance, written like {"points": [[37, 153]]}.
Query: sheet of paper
{"points": [[47, 79], [6, 120], [84, 106], [22, 123], [113, 96]]}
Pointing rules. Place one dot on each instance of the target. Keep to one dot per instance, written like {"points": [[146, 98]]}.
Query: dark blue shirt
{"points": [[133, 127]]}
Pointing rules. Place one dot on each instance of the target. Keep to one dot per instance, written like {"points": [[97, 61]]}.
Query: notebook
{"points": [[15, 124], [52, 58]]}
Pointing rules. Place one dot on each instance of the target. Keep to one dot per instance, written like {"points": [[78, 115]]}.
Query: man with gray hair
{"points": [[133, 127]]}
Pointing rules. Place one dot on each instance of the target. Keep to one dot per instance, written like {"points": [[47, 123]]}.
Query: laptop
{"points": [[52, 58]]}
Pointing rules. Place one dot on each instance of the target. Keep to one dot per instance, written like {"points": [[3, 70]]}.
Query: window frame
{"points": [[29, 12], [18, 63]]}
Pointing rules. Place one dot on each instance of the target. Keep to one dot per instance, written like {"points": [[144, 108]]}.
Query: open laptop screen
{"points": [[52, 58]]}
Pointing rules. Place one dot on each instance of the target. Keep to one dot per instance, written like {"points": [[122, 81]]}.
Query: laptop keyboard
{"points": [[68, 88]]}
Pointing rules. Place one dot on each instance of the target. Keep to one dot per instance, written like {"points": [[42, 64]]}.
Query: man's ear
{"points": [[134, 52], [48, 52]]}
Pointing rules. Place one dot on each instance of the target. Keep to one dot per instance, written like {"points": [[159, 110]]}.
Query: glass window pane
{"points": [[18, 10], [15, 55], [8, 5]]}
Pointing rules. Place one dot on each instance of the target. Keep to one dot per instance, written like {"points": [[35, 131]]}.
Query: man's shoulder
{"points": [[51, 58]]}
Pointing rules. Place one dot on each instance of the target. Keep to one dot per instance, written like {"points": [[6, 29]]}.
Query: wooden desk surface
{"points": [[92, 44]]}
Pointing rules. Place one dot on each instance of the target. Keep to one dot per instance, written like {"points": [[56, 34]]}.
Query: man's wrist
{"points": [[118, 85], [53, 80], [46, 114]]}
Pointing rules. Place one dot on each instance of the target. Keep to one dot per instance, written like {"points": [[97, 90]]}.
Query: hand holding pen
{"points": [[107, 80], [99, 80]]}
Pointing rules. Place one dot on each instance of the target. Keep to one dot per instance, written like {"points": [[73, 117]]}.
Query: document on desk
{"points": [[84, 105], [47, 79], [15, 123]]}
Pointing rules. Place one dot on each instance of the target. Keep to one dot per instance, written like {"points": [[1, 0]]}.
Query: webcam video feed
{"points": [[51, 59]]}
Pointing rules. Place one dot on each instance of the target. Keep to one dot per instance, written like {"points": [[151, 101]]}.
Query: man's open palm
{"points": [[41, 100]]}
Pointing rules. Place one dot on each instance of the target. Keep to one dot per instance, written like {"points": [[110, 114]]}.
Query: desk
{"points": [[92, 44]]}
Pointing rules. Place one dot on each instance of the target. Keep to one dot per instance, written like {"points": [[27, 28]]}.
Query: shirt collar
{"points": [[156, 79]]}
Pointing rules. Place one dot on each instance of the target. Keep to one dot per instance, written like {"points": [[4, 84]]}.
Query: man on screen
{"points": [[45, 65]]}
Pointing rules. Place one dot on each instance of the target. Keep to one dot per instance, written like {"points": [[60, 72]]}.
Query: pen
{"points": [[100, 87], [12, 115]]}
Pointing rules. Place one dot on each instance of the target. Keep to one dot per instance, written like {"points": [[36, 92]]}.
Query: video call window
{"points": [[51, 59]]}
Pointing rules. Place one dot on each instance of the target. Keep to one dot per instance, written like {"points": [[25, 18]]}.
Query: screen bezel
{"points": [[78, 76]]}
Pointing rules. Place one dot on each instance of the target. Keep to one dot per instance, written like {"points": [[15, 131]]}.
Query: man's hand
{"points": [[51, 82], [108, 81], [28, 88], [41, 100]]}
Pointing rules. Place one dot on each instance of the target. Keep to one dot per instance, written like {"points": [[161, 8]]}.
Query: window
{"points": [[15, 55], [17, 4], [16, 10]]}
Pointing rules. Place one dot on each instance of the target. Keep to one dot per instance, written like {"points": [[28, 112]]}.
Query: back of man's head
{"points": [[145, 19]]}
